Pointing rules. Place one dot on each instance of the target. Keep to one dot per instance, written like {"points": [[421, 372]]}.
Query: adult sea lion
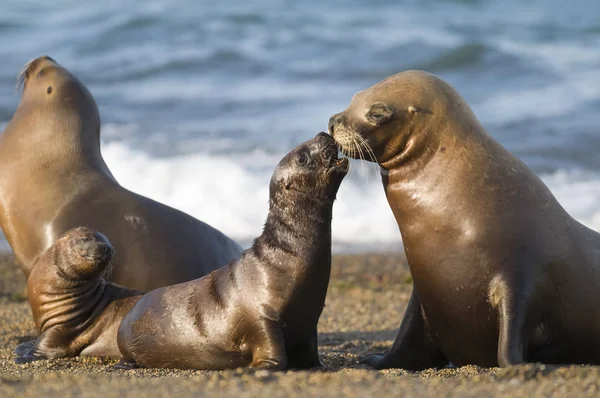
{"points": [[502, 274], [53, 178], [261, 310], [76, 311]]}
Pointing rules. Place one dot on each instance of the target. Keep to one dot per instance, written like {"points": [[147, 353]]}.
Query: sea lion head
{"points": [[83, 254], [398, 118], [54, 100], [311, 169]]}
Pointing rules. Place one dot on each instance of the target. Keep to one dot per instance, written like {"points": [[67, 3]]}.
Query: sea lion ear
{"points": [[379, 113]]}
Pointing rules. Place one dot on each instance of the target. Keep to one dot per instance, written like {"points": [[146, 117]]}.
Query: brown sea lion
{"points": [[76, 311], [261, 310], [53, 178], [502, 274]]}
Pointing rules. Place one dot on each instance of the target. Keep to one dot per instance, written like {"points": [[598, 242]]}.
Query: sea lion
{"points": [[76, 311], [53, 178], [502, 274], [261, 310]]}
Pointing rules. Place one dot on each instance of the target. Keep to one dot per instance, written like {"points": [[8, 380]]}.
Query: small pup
{"points": [[261, 310], [76, 311]]}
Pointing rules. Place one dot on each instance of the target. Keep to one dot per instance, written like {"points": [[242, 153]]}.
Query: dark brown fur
{"points": [[261, 310]]}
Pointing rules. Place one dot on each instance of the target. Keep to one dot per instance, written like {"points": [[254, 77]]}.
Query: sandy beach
{"points": [[367, 296]]}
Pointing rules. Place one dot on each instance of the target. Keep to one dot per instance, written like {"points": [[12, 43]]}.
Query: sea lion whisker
{"points": [[361, 155], [23, 74], [372, 161], [368, 149], [106, 274]]}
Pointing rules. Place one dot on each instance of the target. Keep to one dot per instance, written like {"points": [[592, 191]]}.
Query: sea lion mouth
{"points": [[350, 142], [330, 152]]}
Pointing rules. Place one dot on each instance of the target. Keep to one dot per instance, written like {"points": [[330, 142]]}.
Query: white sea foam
{"points": [[231, 193]]}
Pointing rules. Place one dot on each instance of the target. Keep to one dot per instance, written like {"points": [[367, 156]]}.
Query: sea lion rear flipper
{"points": [[413, 348], [127, 365], [268, 346]]}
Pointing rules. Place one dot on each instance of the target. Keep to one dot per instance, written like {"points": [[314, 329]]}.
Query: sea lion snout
{"points": [[328, 148], [34, 67], [90, 245], [334, 120]]}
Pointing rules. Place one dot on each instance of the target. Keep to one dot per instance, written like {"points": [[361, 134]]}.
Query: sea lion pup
{"points": [[502, 274], [261, 310], [76, 311], [53, 178]]}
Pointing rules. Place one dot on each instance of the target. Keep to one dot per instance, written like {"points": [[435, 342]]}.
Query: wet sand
{"points": [[367, 297]]}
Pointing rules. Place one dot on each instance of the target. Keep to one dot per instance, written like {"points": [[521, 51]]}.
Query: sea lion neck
{"points": [[53, 139], [300, 230], [458, 162], [299, 213], [295, 245], [45, 303]]}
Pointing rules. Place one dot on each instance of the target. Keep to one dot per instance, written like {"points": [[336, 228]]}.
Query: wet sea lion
{"points": [[53, 178], [76, 311], [502, 274], [261, 310]]}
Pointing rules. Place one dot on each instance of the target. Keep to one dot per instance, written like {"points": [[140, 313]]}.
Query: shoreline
{"points": [[367, 296]]}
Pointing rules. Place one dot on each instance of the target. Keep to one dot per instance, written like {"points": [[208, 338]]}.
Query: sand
{"points": [[367, 297]]}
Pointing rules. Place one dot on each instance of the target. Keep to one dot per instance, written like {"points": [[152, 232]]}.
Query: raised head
{"points": [[82, 254], [399, 118], [311, 170]]}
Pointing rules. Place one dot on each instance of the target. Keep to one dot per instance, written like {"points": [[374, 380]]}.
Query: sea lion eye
{"points": [[84, 239], [49, 89], [379, 113], [303, 159]]}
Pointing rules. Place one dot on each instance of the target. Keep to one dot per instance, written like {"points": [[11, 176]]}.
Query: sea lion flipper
{"points": [[268, 349], [32, 354], [413, 348], [511, 318], [24, 348], [305, 355], [127, 365]]}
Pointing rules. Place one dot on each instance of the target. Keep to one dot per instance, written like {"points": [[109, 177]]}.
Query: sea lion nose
{"points": [[332, 122], [101, 237], [106, 250]]}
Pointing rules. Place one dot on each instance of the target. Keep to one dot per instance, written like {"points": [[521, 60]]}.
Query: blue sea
{"points": [[200, 99]]}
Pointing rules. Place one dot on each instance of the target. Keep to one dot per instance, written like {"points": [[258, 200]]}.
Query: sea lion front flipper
{"points": [[31, 354], [45, 347], [268, 346], [413, 348], [306, 354], [23, 348]]}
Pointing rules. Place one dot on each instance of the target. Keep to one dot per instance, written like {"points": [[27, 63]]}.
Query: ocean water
{"points": [[200, 99]]}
